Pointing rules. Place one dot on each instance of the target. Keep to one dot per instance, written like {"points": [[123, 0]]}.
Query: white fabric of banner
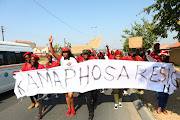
{"points": [[97, 74]]}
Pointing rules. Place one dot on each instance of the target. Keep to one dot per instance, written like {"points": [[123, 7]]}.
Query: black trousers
{"points": [[91, 95], [32, 98]]}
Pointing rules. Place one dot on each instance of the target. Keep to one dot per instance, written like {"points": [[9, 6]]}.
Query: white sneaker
{"points": [[115, 106], [120, 104]]}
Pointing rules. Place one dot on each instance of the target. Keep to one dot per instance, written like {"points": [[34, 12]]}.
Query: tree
{"points": [[140, 30], [68, 44], [167, 16], [57, 47]]}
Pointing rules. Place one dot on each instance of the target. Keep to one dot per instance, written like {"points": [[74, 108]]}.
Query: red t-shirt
{"points": [[25, 67], [153, 55], [54, 64], [39, 67]]}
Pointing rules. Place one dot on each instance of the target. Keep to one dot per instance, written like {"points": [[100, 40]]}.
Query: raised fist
{"points": [[50, 39]]}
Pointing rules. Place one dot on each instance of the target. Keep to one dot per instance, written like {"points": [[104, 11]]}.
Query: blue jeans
{"points": [[162, 99]]}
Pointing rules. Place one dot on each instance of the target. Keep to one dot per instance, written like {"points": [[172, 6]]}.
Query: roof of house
{"points": [[164, 46], [20, 41], [177, 44], [40, 48]]}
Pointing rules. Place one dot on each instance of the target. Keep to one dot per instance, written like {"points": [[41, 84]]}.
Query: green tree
{"points": [[68, 44], [57, 47], [166, 18], [140, 30]]}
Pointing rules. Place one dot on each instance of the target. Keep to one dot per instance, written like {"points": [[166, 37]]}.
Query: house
{"points": [[33, 45], [164, 47], [41, 51], [175, 53]]}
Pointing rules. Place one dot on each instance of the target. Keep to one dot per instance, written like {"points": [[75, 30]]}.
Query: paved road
{"points": [[13, 109]]}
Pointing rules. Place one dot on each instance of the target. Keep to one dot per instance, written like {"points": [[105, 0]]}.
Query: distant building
{"points": [[164, 47], [41, 51], [175, 53], [33, 45]]}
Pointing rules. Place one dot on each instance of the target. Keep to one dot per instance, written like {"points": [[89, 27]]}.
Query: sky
{"points": [[75, 20]]}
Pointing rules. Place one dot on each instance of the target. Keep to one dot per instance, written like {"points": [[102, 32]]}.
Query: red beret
{"points": [[118, 52], [49, 55], [65, 49], [34, 55], [27, 53], [156, 44]]}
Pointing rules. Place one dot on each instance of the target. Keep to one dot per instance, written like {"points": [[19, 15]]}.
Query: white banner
{"points": [[97, 74]]}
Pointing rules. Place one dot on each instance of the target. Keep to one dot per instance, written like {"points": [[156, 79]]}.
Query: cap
{"points": [[118, 52], [65, 49], [49, 55], [27, 53], [156, 44], [34, 55]]}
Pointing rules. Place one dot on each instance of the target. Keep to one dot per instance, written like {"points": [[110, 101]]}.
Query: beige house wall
{"points": [[175, 55], [45, 50]]}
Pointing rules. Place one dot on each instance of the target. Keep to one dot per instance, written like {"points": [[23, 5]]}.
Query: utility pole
{"points": [[2, 32], [64, 42]]}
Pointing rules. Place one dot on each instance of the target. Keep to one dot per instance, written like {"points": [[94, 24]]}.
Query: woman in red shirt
{"points": [[34, 66]]}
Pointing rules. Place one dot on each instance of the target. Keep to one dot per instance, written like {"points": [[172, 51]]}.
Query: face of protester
{"points": [[66, 54], [118, 57], [28, 58], [33, 60], [49, 58], [163, 58], [86, 56], [156, 47]]}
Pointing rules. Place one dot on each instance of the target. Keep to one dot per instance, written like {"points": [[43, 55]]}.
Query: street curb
{"points": [[142, 110]]}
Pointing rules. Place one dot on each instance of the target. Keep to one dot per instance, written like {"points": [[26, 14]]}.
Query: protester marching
{"points": [[76, 74]]}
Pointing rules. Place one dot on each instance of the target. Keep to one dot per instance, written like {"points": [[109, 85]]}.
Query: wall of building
{"points": [[175, 55]]}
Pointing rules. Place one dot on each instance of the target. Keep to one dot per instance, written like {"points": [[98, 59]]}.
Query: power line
{"points": [[59, 18]]}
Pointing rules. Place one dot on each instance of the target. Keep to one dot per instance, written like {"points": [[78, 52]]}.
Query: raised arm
{"points": [[51, 48], [129, 52], [108, 53]]}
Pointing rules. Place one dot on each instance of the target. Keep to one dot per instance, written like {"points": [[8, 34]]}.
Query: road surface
{"points": [[13, 109]]}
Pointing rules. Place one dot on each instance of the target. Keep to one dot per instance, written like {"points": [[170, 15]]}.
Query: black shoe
{"points": [[91, 115]]}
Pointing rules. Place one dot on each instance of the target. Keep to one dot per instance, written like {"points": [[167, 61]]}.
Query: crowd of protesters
{"points": [[67, 59]]}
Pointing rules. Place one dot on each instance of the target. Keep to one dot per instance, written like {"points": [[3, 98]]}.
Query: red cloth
{"points": [[128, 58], [39, 67], [49, 55], [59, 60], [54, 64], [25, 67], [92, 57], [118, 52], [138, 58], [65, 49], [27, 53], [110, 56], [153, 55], [34, 55]]}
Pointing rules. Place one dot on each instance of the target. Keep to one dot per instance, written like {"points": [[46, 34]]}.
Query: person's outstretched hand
{"points": [[50, 39]]}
